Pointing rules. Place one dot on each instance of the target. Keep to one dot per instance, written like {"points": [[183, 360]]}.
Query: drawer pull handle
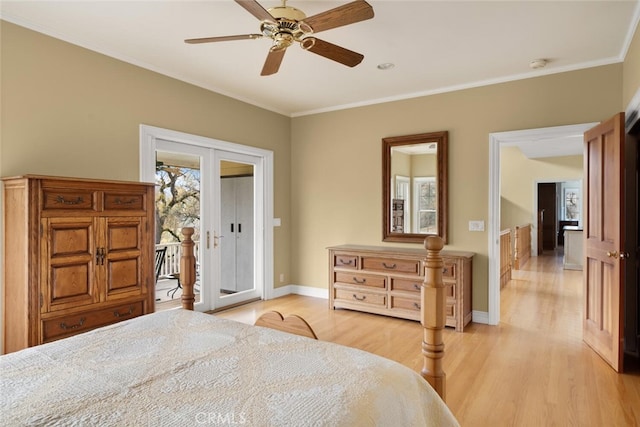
{"points": [[355, 297], [343, 262], [392, 266], [355, 279], [117, 314], [416, 286], [66, 327], [119, 201], [416, 305], [77, 201]]}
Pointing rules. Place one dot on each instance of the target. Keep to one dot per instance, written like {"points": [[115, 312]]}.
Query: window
{"points": [[425, 215]]}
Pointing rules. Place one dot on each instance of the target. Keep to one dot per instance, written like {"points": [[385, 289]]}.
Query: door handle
{"points": [[216, 239]]}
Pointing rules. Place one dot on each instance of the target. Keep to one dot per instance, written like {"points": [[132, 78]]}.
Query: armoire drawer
{"points": [[68, 199], [62, 326], [114, 201], [368, 280], [357, 296]]}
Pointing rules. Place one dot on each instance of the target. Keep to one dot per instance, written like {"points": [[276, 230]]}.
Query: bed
{"points": [[180, 367]]}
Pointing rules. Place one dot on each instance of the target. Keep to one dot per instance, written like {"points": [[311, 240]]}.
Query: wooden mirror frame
{"points": [[441, 138]]}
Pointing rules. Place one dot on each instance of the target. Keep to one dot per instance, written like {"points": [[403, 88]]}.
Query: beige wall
{"points": [[518, 178], [69, 111], [336, 160], [631, 71]]}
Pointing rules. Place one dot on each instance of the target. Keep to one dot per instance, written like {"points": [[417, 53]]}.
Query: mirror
{"points": [[414, 187]]}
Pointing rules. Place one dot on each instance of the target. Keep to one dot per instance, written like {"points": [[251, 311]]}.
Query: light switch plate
{"points": [[476, 225], [276, 222]]}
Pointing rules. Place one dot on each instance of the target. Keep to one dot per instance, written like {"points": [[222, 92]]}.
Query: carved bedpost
{"points": [[433, 315], [187, 268]]}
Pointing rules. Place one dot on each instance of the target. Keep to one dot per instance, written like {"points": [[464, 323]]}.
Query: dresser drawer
{"points": [[405, 303], [68, 199], [360, 279], [450, 313], [407, 285], [360, 297], [345, 261], [449, 270], [115, 201], [391, 265], [450, 290], [75, 323]]}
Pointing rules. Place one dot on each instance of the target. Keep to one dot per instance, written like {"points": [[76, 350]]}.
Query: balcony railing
{"points": [[171, 263]]}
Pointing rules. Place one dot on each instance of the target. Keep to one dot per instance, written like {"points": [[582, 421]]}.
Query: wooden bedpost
{"points": [[433, 315], [187, 268]]}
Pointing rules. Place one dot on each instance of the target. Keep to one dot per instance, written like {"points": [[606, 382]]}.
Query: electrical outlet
{"points": [[281, 277], [476, 225]]}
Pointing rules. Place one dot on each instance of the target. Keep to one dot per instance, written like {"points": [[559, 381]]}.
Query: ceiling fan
{"points": [[286, 25]]}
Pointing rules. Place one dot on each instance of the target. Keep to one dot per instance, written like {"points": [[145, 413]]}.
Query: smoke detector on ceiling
{"points": [[538, 63]]}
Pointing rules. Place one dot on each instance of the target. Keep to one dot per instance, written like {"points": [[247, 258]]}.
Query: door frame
{"points": [[496, 141], [149, 135]]}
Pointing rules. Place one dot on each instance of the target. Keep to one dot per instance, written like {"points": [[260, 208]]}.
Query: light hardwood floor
{"points": [[531, 370]]}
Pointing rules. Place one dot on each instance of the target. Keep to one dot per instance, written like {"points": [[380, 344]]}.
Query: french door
{"points": [[233, 187]]}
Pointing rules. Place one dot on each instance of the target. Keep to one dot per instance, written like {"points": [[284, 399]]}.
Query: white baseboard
{"points": [[300, 290], [477, 316], [480, 317]]}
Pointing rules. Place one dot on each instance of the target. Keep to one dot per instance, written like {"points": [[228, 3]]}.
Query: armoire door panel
{"points": [[123, 236], [123, 255], [123, 275], [71, 283], [68, 274], [71, 239]]}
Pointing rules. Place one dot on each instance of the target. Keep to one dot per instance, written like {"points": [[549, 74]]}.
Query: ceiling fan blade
{"points": [[224, 38], [349, 13], [254, 8], [334, 52], [272, 64]]}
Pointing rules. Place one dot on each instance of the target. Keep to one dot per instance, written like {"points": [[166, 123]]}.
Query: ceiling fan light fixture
{"points": [[287, 12]]}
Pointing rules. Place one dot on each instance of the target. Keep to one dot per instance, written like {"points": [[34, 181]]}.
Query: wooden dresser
{"points": [[78, 254], [387, 281]]}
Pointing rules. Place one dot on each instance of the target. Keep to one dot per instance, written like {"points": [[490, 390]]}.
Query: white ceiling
{"points": [[436, 46]]}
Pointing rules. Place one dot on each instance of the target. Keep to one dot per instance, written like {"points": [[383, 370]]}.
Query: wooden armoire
{"points": [[78, 254]]}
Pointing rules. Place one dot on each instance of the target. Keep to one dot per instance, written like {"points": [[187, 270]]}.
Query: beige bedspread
{"points": [[183, 368]]}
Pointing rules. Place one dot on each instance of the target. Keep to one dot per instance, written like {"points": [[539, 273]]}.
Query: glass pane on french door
{"points": [[178, 204], [237, 238]]}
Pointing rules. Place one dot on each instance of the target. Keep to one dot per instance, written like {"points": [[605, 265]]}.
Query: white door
{"points": [[236, 238], [208, 156]]}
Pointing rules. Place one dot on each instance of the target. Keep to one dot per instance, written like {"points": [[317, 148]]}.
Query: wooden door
{"points": [[547, 203], [603, 237]]}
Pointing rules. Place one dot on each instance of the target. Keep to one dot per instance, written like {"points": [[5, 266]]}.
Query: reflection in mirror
{"points": [[414, 187]]}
